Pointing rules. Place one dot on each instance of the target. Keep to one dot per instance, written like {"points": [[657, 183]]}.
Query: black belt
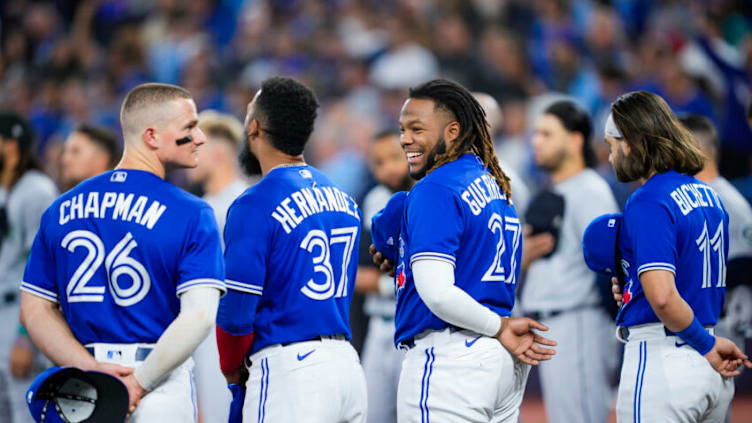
{"points": [[338, 336], [409, 344], [141, 352]]}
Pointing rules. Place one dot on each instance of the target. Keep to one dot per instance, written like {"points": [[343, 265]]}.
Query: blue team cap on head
{"points": [[385, 226], [599, 243], [69, 394]]}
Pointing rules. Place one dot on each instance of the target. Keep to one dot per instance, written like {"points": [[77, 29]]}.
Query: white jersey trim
{"points": [[656, 266], [203, 282], [432, 256], [244, 287], [39, 292]]}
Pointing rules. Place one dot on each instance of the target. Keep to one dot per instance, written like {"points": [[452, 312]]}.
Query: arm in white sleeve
{"points": [[198, 311], [434, 280]]}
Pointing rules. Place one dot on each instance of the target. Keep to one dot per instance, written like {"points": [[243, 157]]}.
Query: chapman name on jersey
{"points": [[117, 250], [113, 205]]}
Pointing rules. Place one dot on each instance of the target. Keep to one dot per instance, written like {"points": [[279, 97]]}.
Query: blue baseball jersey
{"points": [[291, 256], [458, 214], [675, 222], [117, 250]]}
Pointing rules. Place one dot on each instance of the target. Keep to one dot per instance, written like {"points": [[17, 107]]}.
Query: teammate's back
{"points": [[127, 240], [311, 229], [290, 259]]}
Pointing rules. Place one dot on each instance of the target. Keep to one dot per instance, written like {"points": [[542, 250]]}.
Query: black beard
{"points": [[248, 161], [439, 148]]}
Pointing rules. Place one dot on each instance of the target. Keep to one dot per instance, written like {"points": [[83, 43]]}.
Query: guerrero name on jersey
{"points": [[676, 223], [116, 252], [448, 215], [301, 295]]}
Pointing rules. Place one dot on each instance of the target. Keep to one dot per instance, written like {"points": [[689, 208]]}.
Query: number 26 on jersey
{"points": [[117, 263]]}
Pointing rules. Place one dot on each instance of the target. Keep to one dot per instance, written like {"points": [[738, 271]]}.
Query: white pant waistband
{"points": [[646, 332], [124, 354], [278, 348], [433, 338]]}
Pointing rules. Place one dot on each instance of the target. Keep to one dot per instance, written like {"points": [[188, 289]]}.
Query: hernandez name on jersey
{"points": [[301, 295], [672, 210], [448, 216], [117, 250]]}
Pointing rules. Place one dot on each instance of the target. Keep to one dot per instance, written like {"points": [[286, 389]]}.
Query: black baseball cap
{"points": [[69, 394], [15, 126]]}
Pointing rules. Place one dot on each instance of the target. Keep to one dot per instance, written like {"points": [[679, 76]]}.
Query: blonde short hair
{"points": [[222, 125]]}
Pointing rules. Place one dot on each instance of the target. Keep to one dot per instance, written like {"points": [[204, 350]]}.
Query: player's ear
{"points": [[451, 131], [149, 137], [254, 128]]}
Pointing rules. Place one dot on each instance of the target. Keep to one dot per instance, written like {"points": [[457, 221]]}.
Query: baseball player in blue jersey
{"points": [[291, 256], [457, 269], [126, 271], [673, 244]]}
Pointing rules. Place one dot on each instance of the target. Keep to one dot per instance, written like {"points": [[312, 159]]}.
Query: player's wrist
{"points": [[696, 336], [502, 325]]}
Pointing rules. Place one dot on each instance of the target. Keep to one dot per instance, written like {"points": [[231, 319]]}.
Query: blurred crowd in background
{"points": [[65, 63]]}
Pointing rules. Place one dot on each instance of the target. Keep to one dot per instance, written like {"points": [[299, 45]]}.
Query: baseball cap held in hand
{"points": [[69, 394]]}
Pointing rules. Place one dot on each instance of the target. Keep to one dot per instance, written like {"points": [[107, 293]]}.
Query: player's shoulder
{"points": [[455, 175]]}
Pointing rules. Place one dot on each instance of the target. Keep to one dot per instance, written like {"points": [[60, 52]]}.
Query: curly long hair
{"points": [[474, 128]]}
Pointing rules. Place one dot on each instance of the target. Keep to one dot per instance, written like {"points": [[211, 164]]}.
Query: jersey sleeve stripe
{"points": [[39, 292], [244, 285], [656, 266], [432, 256], [194, 283], [243, 288]]}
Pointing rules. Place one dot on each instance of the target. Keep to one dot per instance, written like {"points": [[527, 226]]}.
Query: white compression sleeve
{"points": [[198, 311], [434, 280]]}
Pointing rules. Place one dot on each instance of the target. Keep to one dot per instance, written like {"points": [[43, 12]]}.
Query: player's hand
{"points": [[517, 336], [535, 246], [616, 291], [21, 358], [135, 392], [726, 357], [112, 369], [237, 377], [385, 265]]}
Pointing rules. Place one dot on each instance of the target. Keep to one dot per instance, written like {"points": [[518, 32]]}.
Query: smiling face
{"points": [[387, 162], [424, 133]]}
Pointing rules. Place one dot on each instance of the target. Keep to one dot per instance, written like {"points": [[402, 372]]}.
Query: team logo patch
{"points": [[400, 276], [627, 293], [118, 177]]}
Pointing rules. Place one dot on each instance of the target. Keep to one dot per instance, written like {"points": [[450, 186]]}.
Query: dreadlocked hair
{"points": [[474, 128]]}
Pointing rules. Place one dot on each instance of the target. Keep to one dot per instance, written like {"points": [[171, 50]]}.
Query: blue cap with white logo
{"points": [[69, 394], [386, 224], [599, 244]]}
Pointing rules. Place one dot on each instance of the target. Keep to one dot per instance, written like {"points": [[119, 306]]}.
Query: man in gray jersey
{"points": [[25, 193], [560, 290], [737, 321], [381, 361], [219, 176]]}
